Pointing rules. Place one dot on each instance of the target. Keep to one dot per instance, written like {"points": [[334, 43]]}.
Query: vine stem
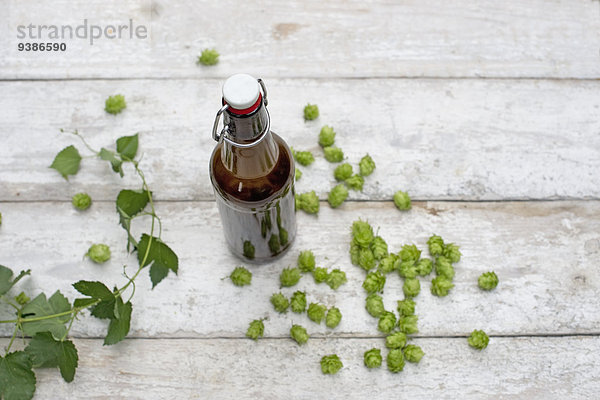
{"points": [[12, 339]]}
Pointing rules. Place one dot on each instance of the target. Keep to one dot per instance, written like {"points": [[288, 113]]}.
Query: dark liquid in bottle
{"points": [[257, 213]]}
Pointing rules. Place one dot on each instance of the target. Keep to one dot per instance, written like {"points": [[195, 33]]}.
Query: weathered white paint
{"points": [[545, 254], [437, 139], [515, 368], [432, 38]]}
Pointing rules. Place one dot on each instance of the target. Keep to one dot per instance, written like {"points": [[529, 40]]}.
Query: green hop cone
{"points": [[362, 233], [280, 302], [333, 154], [411, 287], [373, 358], [331, 364], [452, 252], [311, 111], [374, 282], [334, 316], [320, 274], [336, 278], [326, 136], [366, 259], [410, 252], [408, 324], [374, 305], [387, 322], [249, 250], [478, 339], [413, 353], [283, 236], [298, 302], [354, 252], [316, 312], [115, 104], [440, 286], [256, 329], [424, 267], [299, 334], [396, 340], [395, 361], [387, 264], [355, 182], [99, 253], [298, 174], [379, 248], [337, 196], [304, 157], [241, 276], [81, 201], [366, 165], [342, 172], [308, 202], [306, 261], [402, 200], [436, 245], [274, 244], [487, 280], [289, 277], [208, 57], [22, 298], [443, 267], [406, 307], [407, 269]]}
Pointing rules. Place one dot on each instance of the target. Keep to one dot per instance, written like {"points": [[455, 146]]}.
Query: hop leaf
{"points": [[331, 364], [280, 302], [161, 256], [478, 339], [395, 361], [47, 352], [342, 172], [289, 277], [118, 327], [337, 196], [249, 250], [17, 380], [444, 268], [316, 312], [402, 200], [436, 245], [6, 283], [334, 316], [326, 136], [333, 154], [373, 358], [308, 202], [413, 353], [411, 287], [366, 165], [208, 57], [379, 248], [41, 307], [387, 322], [336, 278], [81, 201], [355, 182], [320, 274], [306, 261], [374, 305], [440, 286], [311, 111], [115, 104], [256, 329], [298, 302], [408, 324], [424, 267], [304, 157], [487, 280], [406, 307], [241, 276], [67, 162], [396, 340], [299, 334], [374, 282]]}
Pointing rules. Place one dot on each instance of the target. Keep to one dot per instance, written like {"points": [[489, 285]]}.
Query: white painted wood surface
{"points": [[545, 254], [432, 38], [437, 139], [510, 368]]}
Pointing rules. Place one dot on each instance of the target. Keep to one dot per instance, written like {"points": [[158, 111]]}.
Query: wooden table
{"points": [[487, 113]]}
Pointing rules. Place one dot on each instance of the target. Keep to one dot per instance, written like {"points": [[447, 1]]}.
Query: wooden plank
{"points": [[437, 139], [545, 254], [516, 368], [429, 38]]}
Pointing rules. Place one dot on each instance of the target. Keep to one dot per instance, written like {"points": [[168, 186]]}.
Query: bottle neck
{"points": [[254, 161]]}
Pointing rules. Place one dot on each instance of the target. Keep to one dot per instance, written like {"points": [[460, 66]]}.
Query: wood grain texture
{"points": [[515, 368], [428, 38], [437, 139], [545, 254]]}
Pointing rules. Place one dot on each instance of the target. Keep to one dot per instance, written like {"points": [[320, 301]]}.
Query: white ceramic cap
{"points": [[241, 91]]}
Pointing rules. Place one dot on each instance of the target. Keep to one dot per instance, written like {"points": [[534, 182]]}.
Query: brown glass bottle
{"points": [[252, 172]]}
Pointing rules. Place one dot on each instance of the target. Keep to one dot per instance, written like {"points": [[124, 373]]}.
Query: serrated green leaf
{"points": [[17, 380], [95, 289], [160, 255], [115, 163], [46, 352], [83, 303], [131, 202], [119, 327], [104, 309], [67, 161], [40, 307], [127, 146], [5, 282]]}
